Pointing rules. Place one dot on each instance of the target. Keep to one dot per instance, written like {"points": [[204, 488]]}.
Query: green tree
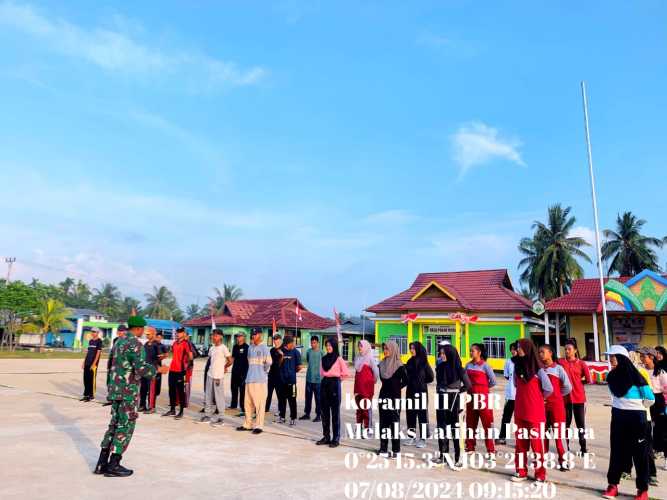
{"points": [[550, 263], [108, 300], [192, 311], [629, 251], [51, 316], [229, 293], [161, 304], [18, 301], [128, 305]]}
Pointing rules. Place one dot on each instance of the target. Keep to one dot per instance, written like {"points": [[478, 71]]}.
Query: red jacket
{"points": [[529, 402], [364, 382], [181, 356], [578, 373]]}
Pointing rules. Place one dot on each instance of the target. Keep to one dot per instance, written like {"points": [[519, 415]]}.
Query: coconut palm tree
{"points": [[129, 305], [551, 255], [228, 293], [161, 304], [629, 251], [51, 316], [108, 299], [192, 311]]}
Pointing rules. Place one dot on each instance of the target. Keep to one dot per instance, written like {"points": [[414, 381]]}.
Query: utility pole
{"points": [[10, 261]]}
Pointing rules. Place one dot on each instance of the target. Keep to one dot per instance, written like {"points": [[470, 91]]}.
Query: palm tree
{"points": [[51, 316], [629, 251], [551, 254], [129, 305], [192, 311], [161, 304], [229, 293], [107, 299]]}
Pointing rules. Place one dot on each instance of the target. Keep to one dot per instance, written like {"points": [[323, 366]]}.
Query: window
{"points": [[346, 349], [495, 347], [402, 343], [429, 345]]}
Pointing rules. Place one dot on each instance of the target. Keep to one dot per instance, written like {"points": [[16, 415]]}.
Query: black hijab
{"points": [[420, 359], [526, 367], [330, 358], [452, 369], [624, 376]]}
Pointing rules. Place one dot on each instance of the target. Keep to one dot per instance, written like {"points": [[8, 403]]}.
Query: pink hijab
{"points": [[365, 357]]}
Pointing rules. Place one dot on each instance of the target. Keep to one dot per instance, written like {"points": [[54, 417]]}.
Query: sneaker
{"points": [[318, 419], [292, 422], [280, 420], [202, 410], [149, 411], [84, 399], [653, 481], [241, 414], [276, 414], [204, 420], [369, 433], [643, 495], [241, 428], [141, 409], [502, 441], [385, 454], [539, 480], [304, 417], [421, 443], [518, 477], [665, 464], [611, 491], [626, 476], [437, 462], [322, 442], [458, 466], [257, 431], [334, 444], [169, 413], [411, 442], [217, 423], [563, 467]]}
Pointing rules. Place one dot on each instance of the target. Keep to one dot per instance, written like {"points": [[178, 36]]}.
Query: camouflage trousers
{"points": [[121, 426]]}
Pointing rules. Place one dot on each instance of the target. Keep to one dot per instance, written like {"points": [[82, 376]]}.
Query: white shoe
{"points": [[518, 478], [411, 442], [458, 466], [421, 443], [665, 466], [217, 423]]}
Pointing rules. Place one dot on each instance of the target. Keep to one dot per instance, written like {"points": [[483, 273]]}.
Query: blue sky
{"points": [[329, 150]]}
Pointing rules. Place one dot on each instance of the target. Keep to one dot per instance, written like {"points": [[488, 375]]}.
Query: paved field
{"points": [[50, 443]]}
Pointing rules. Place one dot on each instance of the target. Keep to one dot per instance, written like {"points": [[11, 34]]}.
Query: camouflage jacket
{"points": [[127, 368]]}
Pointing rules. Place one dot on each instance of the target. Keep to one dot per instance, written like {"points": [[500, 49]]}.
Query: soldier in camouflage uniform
{"points": [[127, 368]]}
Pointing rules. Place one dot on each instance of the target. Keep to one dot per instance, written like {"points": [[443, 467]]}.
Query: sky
{"points": [[326, 150]]}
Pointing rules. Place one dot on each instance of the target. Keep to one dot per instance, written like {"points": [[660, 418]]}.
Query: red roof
{"points": [[261, 312], [584, 297], [487, 290]]}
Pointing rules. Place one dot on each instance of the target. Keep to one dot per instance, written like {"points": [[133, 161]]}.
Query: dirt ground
{"points": [[50, 443]]}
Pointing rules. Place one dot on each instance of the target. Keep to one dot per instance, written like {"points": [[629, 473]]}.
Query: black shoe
{"points": [[317, 419], [169, 413], [216, 412], [148, 411], [85, 399], [179, 415], [304, 417], [241, 428], [257, 431], [202, 410], [108, 403], [102, 462], [334, 444], [141, 408], [323, 441], [114, 469]]}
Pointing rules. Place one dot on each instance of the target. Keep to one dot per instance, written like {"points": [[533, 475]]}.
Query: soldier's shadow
{"points": [[69, 426]]}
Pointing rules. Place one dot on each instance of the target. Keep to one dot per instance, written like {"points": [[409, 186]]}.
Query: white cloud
{"points": [[476, 144], [117, 51], [584, 232]]}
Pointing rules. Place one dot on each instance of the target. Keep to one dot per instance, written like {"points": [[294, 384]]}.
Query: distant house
{"points": [[352, 330], [166, 327], [82, 320], [242, 316]]}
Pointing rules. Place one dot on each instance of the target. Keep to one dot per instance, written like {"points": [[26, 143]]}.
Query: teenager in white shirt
{"points": [[221, 360]]}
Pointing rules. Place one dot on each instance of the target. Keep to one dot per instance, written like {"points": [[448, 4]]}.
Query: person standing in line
{"points": [[510, 392], [239, 372], [366, 375], [163, 352], [575, 402], [206, 369], [128, 367], [658, 378], [147, 390], [220, 359], [532, 387], [120, 334], [89, 365], [181, 357], [313, 379], [451, 381], [259, 364], [274, 372], [290, 365], [420, 375], [191, 367], [394, 378], [555, 403], [482, 379], [631, 396], [333, 369]]}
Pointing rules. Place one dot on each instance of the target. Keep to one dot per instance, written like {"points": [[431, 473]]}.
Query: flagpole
{"points": [[595, 213]]}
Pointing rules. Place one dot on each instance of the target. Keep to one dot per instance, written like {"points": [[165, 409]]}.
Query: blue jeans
{"points": [[312, 390]]}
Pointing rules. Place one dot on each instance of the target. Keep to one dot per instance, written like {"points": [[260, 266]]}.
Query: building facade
{"points": [[352, 330], [461, 308]]}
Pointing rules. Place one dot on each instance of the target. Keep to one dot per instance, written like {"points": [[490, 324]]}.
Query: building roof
{"points": [[81, 312], [352, 326], [162, 324], [262, 312], [485, 290]]}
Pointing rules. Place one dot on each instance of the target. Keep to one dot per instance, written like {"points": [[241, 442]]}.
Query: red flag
{"points": [[275, 326], [297, 311], [406, 318]]}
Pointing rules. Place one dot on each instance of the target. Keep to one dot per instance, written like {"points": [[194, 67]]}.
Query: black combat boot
{"points": [[102, 462], [179, 415], [170, 413], [114, 469]]}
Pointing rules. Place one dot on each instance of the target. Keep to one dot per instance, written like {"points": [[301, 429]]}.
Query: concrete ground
{"points": [[49, 443]]}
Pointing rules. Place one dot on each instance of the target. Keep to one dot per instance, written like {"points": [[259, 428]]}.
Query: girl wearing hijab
{"points": [[366, 374], [420, 375], [631, 395], [658, 377], [575, 402], [332, 370], [532, 387], [394, 377], [482, 378], [451, 380]]}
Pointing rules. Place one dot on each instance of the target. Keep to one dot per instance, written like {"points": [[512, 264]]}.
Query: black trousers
{"points": [[390, 423], [158, 384], [89, 379], [330, 398], [238, 390], [659, 424], [578, 411], [144, 389], [177, 389], [412, 415], [447, 420], [287, 395], [508, 412], [628, 441], [273, 384]]}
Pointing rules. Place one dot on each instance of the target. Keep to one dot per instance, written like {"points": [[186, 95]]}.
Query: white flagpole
{"points": [[595, 214]]}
